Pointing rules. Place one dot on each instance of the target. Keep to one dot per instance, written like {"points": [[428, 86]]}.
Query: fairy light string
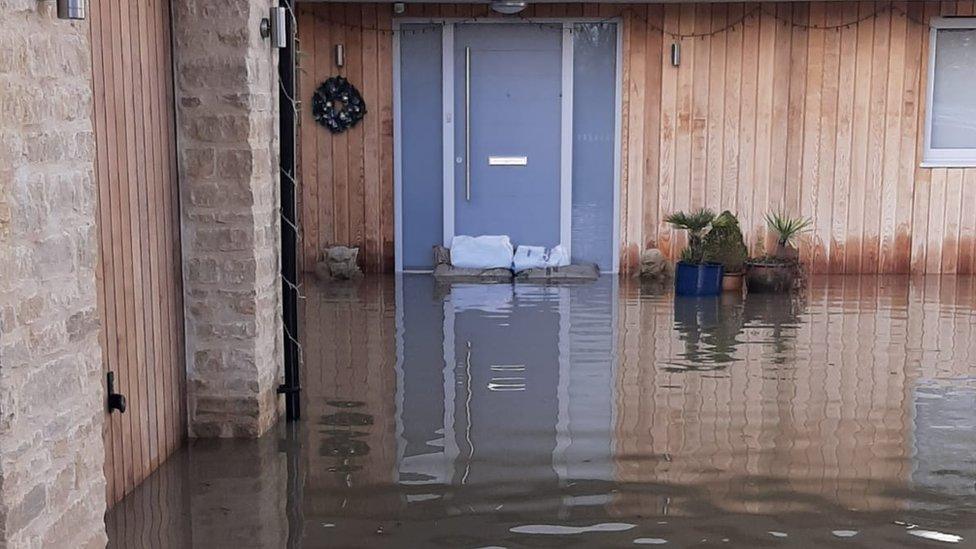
{"points": [[759, 10]]}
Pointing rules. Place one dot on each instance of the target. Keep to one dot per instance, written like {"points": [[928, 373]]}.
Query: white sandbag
{"points": [[530, 257], [557, 257], [482, 252], [537, 257]]}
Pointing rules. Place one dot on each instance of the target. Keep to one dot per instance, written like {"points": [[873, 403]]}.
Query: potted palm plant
{"points": [[695, 274], [724, 244], [776, 272]]}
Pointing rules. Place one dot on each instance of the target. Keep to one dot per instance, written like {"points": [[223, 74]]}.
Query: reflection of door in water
{"points": [[514, 102], [425, 451], [508, 366], [503, 388]]}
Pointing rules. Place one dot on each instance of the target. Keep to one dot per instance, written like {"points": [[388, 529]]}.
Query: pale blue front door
{"points": [[508, 97]]}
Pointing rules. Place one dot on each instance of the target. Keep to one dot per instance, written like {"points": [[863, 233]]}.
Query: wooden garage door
{"points": [[140, 274]]}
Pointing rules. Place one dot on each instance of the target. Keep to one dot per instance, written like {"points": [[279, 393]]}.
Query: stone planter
{"points": [[770, 277]]}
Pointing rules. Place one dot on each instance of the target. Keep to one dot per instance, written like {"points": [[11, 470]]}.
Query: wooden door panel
{"points": [[140, 288]]}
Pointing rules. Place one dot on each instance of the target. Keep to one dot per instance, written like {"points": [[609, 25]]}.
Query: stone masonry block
{"points": [[198, 163], [52, 486], [217, 128], [227, 112]]}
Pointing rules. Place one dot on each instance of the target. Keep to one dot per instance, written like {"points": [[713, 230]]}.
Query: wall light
{"points": [[275, 27], [340, 55], [71, 9], [508, 7], [675, 54]]}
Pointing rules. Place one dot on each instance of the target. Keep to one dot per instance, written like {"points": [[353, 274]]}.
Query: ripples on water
{"points": [[601, 415]]}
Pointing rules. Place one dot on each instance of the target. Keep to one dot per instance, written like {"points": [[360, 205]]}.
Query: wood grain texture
{"points": [[347, 178], [763, 115], [824, 123], [139, 272]]}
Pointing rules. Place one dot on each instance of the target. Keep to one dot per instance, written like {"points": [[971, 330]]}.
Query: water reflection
{"points": [[343, 439], [714, 328], [710, 328], [497, 409], [613, 414]]}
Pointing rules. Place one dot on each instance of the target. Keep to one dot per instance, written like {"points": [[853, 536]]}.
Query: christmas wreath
{"points": [[337, 105]]}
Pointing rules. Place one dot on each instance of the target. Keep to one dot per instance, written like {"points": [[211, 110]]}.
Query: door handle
{"points": [[116, 401], [467, 124]]}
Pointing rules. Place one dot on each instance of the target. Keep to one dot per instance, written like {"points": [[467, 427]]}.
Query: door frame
{"points": [[448, 117]]}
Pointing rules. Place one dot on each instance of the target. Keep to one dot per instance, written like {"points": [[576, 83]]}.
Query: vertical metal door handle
{"points": [[467, 124]]}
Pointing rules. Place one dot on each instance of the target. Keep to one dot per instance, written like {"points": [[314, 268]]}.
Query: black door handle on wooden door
{"points": [[116, 401]]}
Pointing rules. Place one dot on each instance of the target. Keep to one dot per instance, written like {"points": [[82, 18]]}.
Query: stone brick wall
{"points": [[52, 489], [227, 97]]}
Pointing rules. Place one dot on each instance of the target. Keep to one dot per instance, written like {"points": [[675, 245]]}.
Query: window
{"points": [[950, 124]]}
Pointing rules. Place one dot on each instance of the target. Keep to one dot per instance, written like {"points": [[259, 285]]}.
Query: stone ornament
{"points": [[654, 266], [340, 263]]}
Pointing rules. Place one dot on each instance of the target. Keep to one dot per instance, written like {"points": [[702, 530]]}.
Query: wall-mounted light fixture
{"points": [[71, 9], [675, 54], [508, 7], [399, 8], [275, 27], [340, 55]]}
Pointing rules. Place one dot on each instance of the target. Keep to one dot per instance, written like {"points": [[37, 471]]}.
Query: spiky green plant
{"points": [[724, 243], [697, 224], [787, 228]]}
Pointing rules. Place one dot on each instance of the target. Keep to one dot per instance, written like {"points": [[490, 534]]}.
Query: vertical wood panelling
{"points": [[139, 261], [652, 122], [824, 123], [384, 108], [766, 113], [631, 201], [347, 178], [856, 198]]}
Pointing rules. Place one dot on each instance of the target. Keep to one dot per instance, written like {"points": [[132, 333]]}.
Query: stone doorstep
{"points": [[570, 273], [583, 272], [444, 271], [449, 273]]}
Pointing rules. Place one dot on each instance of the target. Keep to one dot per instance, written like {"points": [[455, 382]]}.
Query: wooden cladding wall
{"points": [[766, 114], [769, 115], [140, 288], [347, 178]]}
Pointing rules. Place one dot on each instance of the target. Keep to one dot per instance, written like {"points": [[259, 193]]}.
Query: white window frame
{"points": [[943, 158]]}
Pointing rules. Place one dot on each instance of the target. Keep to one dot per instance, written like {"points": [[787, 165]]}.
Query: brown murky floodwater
{"points": [[599, 415]]}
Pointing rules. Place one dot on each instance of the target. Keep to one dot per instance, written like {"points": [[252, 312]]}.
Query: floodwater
{"points": [[607, 414]]}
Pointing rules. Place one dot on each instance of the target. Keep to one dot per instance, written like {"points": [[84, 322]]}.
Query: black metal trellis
{"points": [[290, 290]]}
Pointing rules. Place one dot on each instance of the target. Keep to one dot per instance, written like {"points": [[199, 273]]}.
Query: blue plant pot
{"points": [[698, 279]]}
